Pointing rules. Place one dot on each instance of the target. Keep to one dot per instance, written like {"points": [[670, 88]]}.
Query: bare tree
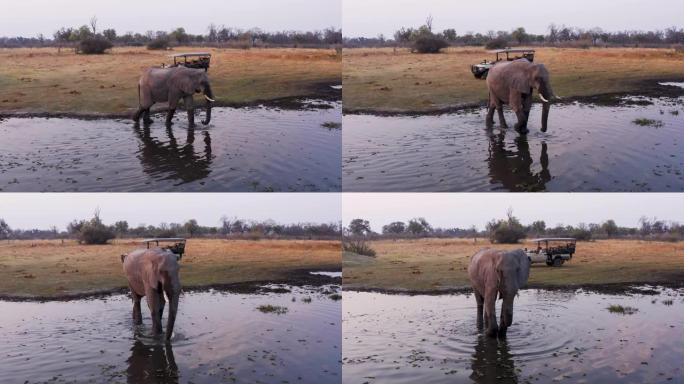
{"points": [[428, 23], [93, 24]]}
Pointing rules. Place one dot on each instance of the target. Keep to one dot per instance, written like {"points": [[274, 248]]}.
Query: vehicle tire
{"points": [[549, 263], [557, 262]]}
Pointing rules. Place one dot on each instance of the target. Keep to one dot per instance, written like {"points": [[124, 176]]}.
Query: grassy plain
{"points": [[49, 268], [423, 265], [41, 80], [397, 81]]}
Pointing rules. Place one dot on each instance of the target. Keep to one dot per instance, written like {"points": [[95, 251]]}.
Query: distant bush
{"points": [[507, 231], [158, 44], [358, 246], [429, 44], [94, 231], [496, 44], [93, 46]]}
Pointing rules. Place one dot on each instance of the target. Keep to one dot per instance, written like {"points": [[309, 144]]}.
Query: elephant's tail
{"points": [[139, 95], [123, 257]]}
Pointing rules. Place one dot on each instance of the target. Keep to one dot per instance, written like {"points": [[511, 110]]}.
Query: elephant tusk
{"points": [[543, 99], [209, 98], [558, 98]]}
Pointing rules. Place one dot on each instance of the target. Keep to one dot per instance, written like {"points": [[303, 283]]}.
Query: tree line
{"points": [[510, 230], [424, 39], [216, 35], [95, 231]]}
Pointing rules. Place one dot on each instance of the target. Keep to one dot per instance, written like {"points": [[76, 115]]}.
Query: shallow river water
{"points": [[246, 149], [557, 336], [586, 148], [219, 337]]}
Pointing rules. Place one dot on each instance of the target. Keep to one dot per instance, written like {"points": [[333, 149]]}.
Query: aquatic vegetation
{"points": [[667, 302], [616, 308], [332, 125], [648, 122], [306, 300], [335, 297], [268, 308]]}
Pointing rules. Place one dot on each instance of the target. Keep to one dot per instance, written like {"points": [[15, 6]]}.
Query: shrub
{"points": [[358, 246], [507, 231], [429, 44], [497, 43], [94, 46], [158, 44], [95, 232]]}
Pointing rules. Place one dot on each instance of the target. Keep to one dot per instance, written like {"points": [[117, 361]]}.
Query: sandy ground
{"points": [[424, 265], [41, 80], [384, 80], [49, 268]]}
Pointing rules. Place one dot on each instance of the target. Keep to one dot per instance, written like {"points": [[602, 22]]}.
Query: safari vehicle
{"points": [[481, 70], [176, 244], [198, 60], [554, 251]]}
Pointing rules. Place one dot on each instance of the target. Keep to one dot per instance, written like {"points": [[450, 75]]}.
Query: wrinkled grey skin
{"points": [[170, 85], [151, 273], [497, 273], [512, 83]]}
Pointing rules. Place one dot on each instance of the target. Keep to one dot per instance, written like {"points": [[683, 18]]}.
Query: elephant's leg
{"points": [[489, 122], [506, 314], [162, 303], [136, 115], [173, 104], [490, 313], [153, 302], [190, 108], [480, 304], [516, 100], [137, 314], [146, 116], [502, 120]]}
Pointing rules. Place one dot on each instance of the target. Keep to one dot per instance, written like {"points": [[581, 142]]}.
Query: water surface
{"points": [[246, 149], [586, 148], [557, 336], [219, 337]]}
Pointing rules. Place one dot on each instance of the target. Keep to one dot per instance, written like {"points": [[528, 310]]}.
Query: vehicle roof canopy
{"points": [[552, 239], [516, 50], [174, 239], [191, 54]]}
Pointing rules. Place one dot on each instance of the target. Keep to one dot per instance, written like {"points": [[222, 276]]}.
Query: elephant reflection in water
{"points": [[492, 362], [171, 160], [512, 168], [152, 364]]}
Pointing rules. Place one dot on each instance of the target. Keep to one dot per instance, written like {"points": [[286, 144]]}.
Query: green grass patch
{"points": [[616, 308], [277, 309], [648, 122]]}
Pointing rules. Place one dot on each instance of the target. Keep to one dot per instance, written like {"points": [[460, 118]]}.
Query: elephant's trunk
{"points": [[209, 95], [545, 116], [173, 310]]}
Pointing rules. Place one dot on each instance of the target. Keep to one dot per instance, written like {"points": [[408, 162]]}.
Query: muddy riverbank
{"points": [[301, 278]]}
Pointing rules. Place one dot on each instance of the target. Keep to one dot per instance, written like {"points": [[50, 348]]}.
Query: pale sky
{"points": [[370, 18], [43, 210], [30, 17], [463, 210]]}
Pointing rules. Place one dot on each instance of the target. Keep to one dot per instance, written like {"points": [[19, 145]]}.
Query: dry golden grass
{"points": [[382, 80], [41, 80], [438, 264], [48, 268]]}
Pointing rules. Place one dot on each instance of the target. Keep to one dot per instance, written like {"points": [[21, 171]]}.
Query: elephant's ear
{"points": [[523, 271], [188, 82], [521, 81]]}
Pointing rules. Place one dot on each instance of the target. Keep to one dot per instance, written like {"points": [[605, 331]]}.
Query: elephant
{"points": [[151, 273], [513, 83], [170, 85], [156, 358], [493, 272]]}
